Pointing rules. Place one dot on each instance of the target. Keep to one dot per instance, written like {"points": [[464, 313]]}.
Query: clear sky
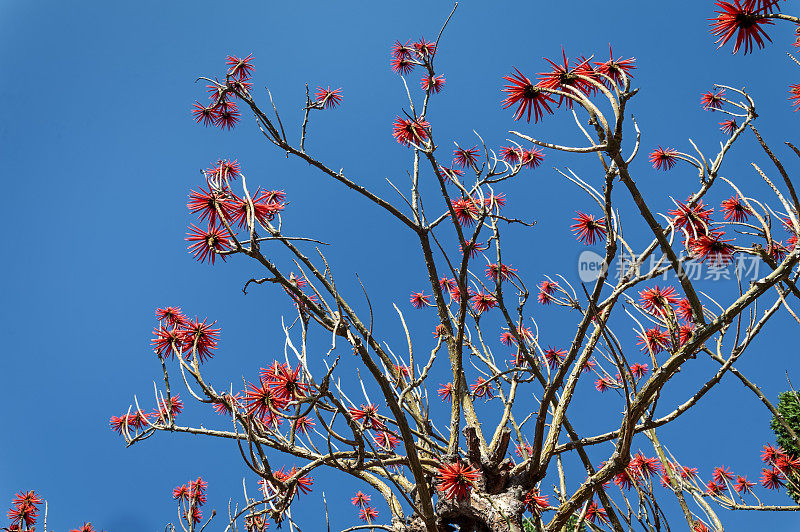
{"points": [[99, 150]]}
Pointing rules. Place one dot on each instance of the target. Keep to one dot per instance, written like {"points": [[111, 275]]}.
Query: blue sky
{"points": [[99, 152]]}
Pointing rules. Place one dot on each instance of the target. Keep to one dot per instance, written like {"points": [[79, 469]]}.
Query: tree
{"points": [[786, 424], [439, 475]]}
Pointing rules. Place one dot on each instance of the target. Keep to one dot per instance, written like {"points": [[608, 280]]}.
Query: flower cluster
{"points": [[365, 512], [222, 110], [190, 497], [455, 480], [278, 387], [178, 335], [24, 511]]}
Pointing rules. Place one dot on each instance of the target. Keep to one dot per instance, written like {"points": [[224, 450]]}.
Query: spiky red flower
{"points": [[743, 485], [303, 484], [735, 210], [240, 68], [626, 478], [511, 154], [207, 244], [522, 448], [562, 78], [761, 5], [367, 415], [472, 248], [644, 466], [728, 126], [361, 499], [227, 403], [740, 20], [167, 342], [117, 423], [508, 339], [402, 65], [265, 207], [262, 401], [424, 48], [227, 115], [696, 219], [587, 229], [328, 98], [712, 100], [500, 271], [205, 203], [531, 158], [171, 316], [466, 211], [456, 480], [794, 96], [202, 337], [684, 310], [287, 383], [664, 158], [657, 299], [419, 300], [772, 479], [546, 291], [655, 340], [483, 301], [85, 527], [535, 502], [449, 174], [712, 247], [181, 493], [26, 498], [554, 357], [402, 51], [23, 515], [594, 513], [446, 392], [685, 332], [721, 474], [529, 97], [614, 68], [407, 131], [464, 157], [223, 171], [604, 383], [368, 514], [208, 115], [175, 407], [432, 84], [482, 388], [639, 370], [386, 440]]}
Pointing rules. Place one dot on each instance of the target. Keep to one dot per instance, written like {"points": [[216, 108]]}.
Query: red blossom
{"points": [[554, 357], [594, 513], [711, 101], [402, 51], [424, 48], [639, 370], [240, 68], [483, 301], [386, 440], [456, 480], [482, 388], [546, 291], [563, 78], [604, 384], [432, 84], [664, 158], [262, 401], [728, 126], [206, 202], [531, 158], [227, 402], [368, 514], [464, 157], [511, 154], [227, 115], [741, 20], [328, 98], [367, 415], [522, 91], [657, 299], [167, 342], [587, 229], [713, 248], [614, 68], [171, 316], [419, 300], [224, 170], [735, 210], [743, 485], [446, 392], [466, 211], [407, 131], [772, 479], [287, 383], [208, 115], [207, 244], [202, 337], [794, 94], [402, 65], [360, 500], [655, 340], [695, 219], [535, 502]]}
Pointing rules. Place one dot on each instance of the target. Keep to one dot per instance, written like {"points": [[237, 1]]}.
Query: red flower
{"points": [[712, 247], [227, 115], [721, 474], [240, 68], [327, 98], [448, 174], [303, 484], [593, 513], [175, 408], [262, 402], [511, 154], [224, 170], [482, 388], [85, 527], [424, 48], [507, 338], [207, 244], [684, 333], [794, 96], [518, 450], [531, 158], [287, 383], [535, 501], [402, 51], [446, 392], [386, 440], [501, 271], [207, 115], [561, 77], [402, 65], [408, 131], [712, 100], [419, 300], [466, 211], [626, 478], [205, 202], [171, 316], [728, 126], [613, 68], [167, 341], [27, 498], [368, 514], [546, 291], [761, 5], [554, 357], [663, 159], [472, 248], [684, 310], [655, 340], [639, 370], [265, 208], [456, 480], [529, 97], [483, 301], [227, 402], [117, 423], [743, 485], [695, 220], [735, 210], [432, 84], [644, 466], [304, 424], [587, 229], [742, 21], [369, 415], [772, 479], [199, 335], [657, 299], [360, 500], [464, 157]]}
